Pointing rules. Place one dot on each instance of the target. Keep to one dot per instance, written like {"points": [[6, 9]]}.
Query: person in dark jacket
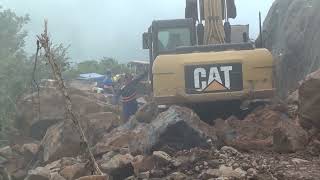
{"points": [[129, 95]]}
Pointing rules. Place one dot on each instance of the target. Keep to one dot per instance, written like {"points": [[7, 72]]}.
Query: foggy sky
{"points": [[112, 28]]}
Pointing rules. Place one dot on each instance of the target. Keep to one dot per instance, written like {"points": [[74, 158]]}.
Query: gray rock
{"points": [[39, 173], [182, 123], [119, 166], [3, 160], [177, 176], [144, 175], [289, 137], [211, 173], [74, 171], [56, 176], [230, 150], [162, 156], [6, 152], [179, 122], [224, 171], [95, 177], [252, 172], [299, 161]]}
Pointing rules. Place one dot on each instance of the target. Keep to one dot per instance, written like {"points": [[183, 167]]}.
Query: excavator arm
{"points": [[213, 12]]}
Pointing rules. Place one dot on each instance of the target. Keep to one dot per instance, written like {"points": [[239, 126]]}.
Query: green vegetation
{"points": [[14, 65], [96, 66]]}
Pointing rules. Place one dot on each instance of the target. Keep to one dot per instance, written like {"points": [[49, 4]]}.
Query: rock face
{"points": [[291, 32]]}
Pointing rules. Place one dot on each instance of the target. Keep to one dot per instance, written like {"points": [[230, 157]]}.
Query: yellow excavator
{"points": [[198, 61]]}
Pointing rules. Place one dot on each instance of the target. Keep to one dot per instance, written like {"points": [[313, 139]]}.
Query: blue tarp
{"points": [[91, 76]]}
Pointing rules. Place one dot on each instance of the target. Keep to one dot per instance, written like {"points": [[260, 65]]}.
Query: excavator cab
{"points": [[165, 36]]}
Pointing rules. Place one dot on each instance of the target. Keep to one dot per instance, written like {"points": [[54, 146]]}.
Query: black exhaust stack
{"points": [[261, 34]]}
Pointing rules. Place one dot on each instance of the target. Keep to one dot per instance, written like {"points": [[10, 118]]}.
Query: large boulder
{"points": [[175, 129], [29, 151], [119, 166], [291, 32], [51, 111], [37, 113], [289, 137], [63, 140], [309, 101], [98, 124]]}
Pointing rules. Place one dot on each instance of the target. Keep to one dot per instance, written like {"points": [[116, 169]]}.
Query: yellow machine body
{"points": [[170, 78]]}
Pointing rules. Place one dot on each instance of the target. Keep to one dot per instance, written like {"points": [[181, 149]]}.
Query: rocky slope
{"points": [[291, 32]]}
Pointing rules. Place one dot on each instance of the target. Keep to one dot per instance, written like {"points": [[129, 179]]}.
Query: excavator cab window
{"points": [[165, 36], [170, 39]]}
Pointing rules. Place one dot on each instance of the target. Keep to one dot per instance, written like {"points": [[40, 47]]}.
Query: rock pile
{"points": [[174, 144], [265, 129]]}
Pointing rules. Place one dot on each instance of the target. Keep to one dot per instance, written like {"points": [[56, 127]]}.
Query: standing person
{"points": [[128, 95], [108, 83]]}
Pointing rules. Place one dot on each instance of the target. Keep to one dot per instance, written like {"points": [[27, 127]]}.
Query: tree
{"points": [[97, 66], [13, 63], [43, 70], [113, 65], [12, 34], [16, 68]]}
